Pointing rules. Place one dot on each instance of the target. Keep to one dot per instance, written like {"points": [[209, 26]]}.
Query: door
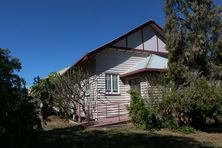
{"points": [[135, 84]]}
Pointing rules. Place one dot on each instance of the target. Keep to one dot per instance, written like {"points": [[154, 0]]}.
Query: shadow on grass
{"points": [[76, 137], [212, 129]]}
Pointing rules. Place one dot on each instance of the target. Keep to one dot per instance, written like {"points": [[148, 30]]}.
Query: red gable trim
{"points": [[142, 70], [153, 24]]}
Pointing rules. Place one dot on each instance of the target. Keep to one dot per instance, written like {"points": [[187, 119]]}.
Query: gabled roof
{"points": [[151, 23], [151, 63]]}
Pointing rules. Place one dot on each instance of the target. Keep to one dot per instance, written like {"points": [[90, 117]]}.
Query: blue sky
{"points": [[48, 35]]}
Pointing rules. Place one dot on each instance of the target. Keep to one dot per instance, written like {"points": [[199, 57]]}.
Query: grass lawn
{"points": [[123, 136]]}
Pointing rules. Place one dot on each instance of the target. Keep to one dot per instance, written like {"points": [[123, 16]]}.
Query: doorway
{"points": [[135, 84]]}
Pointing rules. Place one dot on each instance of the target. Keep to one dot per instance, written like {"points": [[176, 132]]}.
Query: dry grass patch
{"points": [[55, 122], [125, 135], [214, 138]]}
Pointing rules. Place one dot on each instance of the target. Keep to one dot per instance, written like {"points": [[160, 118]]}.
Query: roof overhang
{"points": [[91, 54], [141, 71], [152, 23], [152, 63]]}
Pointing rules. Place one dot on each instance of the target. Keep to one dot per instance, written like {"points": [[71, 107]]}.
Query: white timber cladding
{"points": [[113, 61], [116, 61], [152, 90], [90, 67], [144, 86], [145, 39]]}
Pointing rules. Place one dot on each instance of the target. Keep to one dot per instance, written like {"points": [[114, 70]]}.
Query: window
{"points": [[87, 91], [112, 83], [108, 82]]}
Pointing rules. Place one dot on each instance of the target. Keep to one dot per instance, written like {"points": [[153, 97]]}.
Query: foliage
{"points": [[65, 94], [71, 90], [193, 39], [18, 111], [142, 115], [184, 129], [168, 121], [198, 105], [41, 91]]}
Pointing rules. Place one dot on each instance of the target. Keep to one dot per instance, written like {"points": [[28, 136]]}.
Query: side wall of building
{"points": [[115, 61]]}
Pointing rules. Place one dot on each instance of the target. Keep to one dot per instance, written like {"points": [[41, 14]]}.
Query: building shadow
{"points": [[215, 128], [76, 137]]}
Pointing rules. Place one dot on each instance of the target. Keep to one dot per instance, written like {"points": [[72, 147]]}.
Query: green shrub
{"points": [[168, 122], [197, 105], [142, 115], [184, 129]]}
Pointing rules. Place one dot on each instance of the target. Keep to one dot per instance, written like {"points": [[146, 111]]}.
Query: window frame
{"points": [[88, 89], [111, 83]]}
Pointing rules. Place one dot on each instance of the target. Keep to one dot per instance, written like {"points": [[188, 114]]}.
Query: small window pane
{"points": [[88, 88], [115, 83], [108, 83]]}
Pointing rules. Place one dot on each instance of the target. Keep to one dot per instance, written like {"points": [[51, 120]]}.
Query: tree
{"points": [[18, 111], [41, 91], [193, 39], [66, 94], [70, 92]]}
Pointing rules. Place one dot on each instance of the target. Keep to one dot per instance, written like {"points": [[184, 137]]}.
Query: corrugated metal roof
{"points": [[151, 63]]}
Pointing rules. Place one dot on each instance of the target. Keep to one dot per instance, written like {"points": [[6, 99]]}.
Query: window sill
{"points": [[112, 94]]}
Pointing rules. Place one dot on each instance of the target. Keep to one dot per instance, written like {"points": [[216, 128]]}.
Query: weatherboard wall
{"points": [[118, 59], [115, 61]]}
